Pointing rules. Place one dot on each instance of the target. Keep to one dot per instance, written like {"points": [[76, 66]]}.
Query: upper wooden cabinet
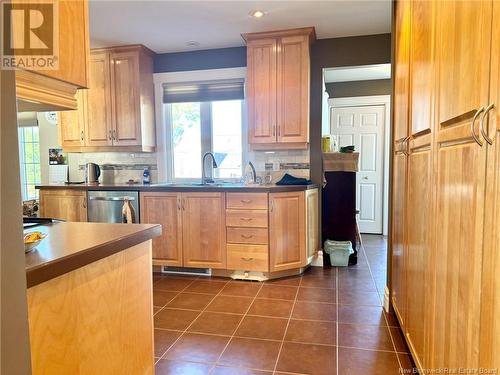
{"points": [[278, 66], [49, 90], [119, 103]]}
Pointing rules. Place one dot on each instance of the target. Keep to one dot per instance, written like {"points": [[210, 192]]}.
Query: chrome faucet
{"points": [[204, 179]]}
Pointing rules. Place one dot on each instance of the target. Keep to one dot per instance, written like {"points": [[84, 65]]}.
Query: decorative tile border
{"points": [[123, 167]]}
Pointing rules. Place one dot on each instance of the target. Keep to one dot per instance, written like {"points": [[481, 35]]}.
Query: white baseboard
{"points": [[386, 299], [317, 261]]}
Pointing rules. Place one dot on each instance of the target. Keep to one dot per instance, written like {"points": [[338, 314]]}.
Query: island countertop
{"points": [[223, 187], [69, 246]]}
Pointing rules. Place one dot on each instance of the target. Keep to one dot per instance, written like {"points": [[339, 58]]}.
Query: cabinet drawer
{"points": [[252, 201], [246, 218], [247, 257], [247, 235]]}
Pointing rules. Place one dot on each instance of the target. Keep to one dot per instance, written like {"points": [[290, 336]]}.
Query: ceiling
{"points": [[169, 26], [357, 73]]}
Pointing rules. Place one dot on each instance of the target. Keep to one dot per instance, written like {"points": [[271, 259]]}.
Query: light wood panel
{"points": [[293, 89], [287, 230], [98, 126], [399, 248], [248, 257], [165, 209], [252, 201], [203, 230], [73, 43], [246, 218], [262, 90], [125, 100], [402, 66], [64, 204], [247, 235], [421, 60], [312, 222], [490, 323], [72, 123], [97, 319]]}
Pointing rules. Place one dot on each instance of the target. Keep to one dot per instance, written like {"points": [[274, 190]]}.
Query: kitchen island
{"points": [[90, 299]]}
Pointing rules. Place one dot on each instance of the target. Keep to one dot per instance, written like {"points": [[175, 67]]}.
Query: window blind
{"points": [[204, 91]]}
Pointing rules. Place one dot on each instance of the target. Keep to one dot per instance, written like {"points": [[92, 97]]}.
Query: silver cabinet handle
{"points": [[246, 259], [183, 202], [472, 127], [115, 199], [82, 136], [481, 124], [110, 135], [179, 204], [247, 236], [246, 201], [246, 218], [365, 178]]}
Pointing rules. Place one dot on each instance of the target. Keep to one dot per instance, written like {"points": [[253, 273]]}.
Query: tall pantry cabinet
{"points": [[449, 225]]}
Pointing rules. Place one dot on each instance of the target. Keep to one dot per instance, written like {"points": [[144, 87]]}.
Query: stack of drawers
{"points": [[247, 231]]}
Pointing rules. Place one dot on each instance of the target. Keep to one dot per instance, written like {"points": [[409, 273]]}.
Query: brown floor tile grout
{"points": [[194, 320], [236, 329], [286, 328]]}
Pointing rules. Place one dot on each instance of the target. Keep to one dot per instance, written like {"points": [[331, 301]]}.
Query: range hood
{"points": [[25, 119]]}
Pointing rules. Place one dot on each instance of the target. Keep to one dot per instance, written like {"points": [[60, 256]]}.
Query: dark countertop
{"points": [[69, 246], [183, 187]]}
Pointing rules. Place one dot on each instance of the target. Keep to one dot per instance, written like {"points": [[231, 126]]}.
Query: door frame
{"points": [[383, 100]]}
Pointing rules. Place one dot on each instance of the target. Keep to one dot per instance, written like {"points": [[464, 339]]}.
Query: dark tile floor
{"points": [[328, 321]]}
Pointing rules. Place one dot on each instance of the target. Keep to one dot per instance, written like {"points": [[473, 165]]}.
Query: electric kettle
{"points": [[92, 173]]}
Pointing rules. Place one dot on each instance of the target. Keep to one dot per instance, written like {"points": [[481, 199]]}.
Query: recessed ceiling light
{"points": [[257, 14], [192, 43]]}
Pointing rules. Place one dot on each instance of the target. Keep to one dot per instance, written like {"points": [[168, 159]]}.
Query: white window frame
{"points": [[164, 145], [22, 162]]}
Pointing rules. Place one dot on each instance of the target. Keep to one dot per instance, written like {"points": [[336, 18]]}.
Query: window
{"points": [[200, 127], [29, 157]]}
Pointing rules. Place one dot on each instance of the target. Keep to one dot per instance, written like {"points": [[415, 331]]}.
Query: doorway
{"points": [[363, 121]]}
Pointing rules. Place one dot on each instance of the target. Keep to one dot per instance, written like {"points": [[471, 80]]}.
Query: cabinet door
{"points": [[402, 72], [420, 259], [287, 228], [261, 88], [72, 123], [293, 89], [490, 324], [164, 209], [68, 205], [98, 132], [125, 98], [203, 230], [462, 52], [73, 43]]}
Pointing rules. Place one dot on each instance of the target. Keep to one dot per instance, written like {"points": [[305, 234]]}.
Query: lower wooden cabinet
{"points": [[203, 230], [193, 228], [165, 209], [287, 231], [64, 204]]}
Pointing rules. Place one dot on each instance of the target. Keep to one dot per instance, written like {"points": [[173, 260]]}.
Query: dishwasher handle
{"points": [[115, 199]]}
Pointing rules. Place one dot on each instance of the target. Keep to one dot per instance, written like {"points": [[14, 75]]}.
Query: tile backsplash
{"points": [[116, 167], [119, 167]]}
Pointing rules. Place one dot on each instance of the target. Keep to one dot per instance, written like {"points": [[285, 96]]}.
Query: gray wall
{"points": [[359, 88], [199, 60]]}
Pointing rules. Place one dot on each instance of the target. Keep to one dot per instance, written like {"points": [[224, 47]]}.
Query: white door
{"points": [[363, 127]]}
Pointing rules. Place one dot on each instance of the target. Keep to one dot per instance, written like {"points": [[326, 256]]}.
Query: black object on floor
{"points": [[338, 211]]}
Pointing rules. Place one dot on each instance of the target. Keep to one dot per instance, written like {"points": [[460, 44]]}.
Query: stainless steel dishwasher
{"points": [[108, 206]]}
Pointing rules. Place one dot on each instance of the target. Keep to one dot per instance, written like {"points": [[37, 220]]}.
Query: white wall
{"points": [[49, 138]]}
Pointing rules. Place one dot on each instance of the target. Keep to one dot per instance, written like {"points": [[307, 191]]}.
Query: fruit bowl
{"points": [[32, 240]]}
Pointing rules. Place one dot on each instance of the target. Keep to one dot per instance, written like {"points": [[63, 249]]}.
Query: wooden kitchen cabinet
{"points": [[72, 123], [203, 230], [278, 88], [287, 231], [446, 206], [120, 101], [64, 204], [49, 90], [165, 209]]}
